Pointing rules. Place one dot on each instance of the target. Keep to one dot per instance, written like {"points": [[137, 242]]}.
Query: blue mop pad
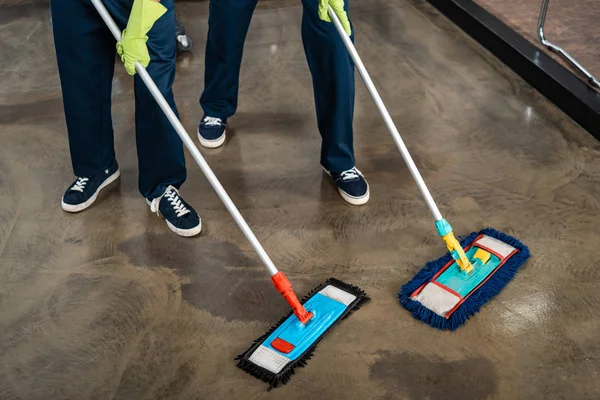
{"points": [[445, 297], [289, 344]]}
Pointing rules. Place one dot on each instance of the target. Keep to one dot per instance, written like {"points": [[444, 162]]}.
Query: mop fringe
{"points": [[275, 380], [474, 302]]}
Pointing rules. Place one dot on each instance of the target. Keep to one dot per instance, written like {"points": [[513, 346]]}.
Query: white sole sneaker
{"points": [[211, 144], [73, 208], [355, 201], [183, 232]]}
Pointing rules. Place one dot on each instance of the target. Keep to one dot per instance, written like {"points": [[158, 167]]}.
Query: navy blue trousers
{"points": [[330, 65], [85, 50]]}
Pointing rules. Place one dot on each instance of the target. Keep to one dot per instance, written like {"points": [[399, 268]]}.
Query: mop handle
{"points": [[442, 226], [189, 144], [386, 117]]}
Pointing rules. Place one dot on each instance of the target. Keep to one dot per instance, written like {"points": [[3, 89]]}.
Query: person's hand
{"points": [[132, 46], [338, 9]]}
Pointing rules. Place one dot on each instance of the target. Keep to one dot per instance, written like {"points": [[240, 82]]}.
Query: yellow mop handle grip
{"points": [[455, 248], [445, 231]]}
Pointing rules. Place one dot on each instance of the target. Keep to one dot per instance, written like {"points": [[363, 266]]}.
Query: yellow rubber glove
{"points": [[338, 9], [132, 46]]}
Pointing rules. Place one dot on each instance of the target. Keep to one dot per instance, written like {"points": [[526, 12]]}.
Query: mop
{"points": [[446, 292], [291, 342]]}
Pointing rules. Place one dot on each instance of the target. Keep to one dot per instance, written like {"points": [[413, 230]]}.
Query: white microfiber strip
{"points": [[437, 299], [337, 294], [496, 245], [269, 359]]}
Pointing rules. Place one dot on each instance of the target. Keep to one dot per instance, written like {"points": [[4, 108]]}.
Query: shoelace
{"points": [[173, 196], [79, 185], [210, 121], [350, 174]]}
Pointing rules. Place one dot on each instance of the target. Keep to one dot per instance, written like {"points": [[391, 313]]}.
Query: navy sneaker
{"points": [[84, 191], [211, 132], [352, 186], [180, 216]]}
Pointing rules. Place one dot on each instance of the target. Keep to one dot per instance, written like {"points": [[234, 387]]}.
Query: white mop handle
{"points": [[189, 144], [386, 117]]}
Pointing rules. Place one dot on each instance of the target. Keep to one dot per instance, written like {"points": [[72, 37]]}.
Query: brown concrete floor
{"points": [[110, 305]]}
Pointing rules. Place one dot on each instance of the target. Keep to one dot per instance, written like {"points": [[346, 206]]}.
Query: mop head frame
{"points": [[434, 303], [273, 359]]}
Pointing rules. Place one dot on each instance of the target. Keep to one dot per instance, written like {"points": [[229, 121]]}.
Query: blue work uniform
{"points": [[329, 62], [85, 50]]}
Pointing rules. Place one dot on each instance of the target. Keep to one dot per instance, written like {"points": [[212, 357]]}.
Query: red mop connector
{"points": [[283, 286]]}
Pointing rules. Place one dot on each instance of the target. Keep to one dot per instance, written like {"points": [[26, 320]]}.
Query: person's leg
{"points": [[332, 71], [333, 82], [85, 51], [160, 150], [228, 24]]}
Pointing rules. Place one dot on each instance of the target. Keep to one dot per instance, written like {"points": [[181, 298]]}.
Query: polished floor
{"points": [[108, 304], [572, 25]]}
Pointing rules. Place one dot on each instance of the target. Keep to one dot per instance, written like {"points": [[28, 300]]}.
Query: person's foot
{"points": [[211, 132], [352, 186], [83, 192], [180, 216]]}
